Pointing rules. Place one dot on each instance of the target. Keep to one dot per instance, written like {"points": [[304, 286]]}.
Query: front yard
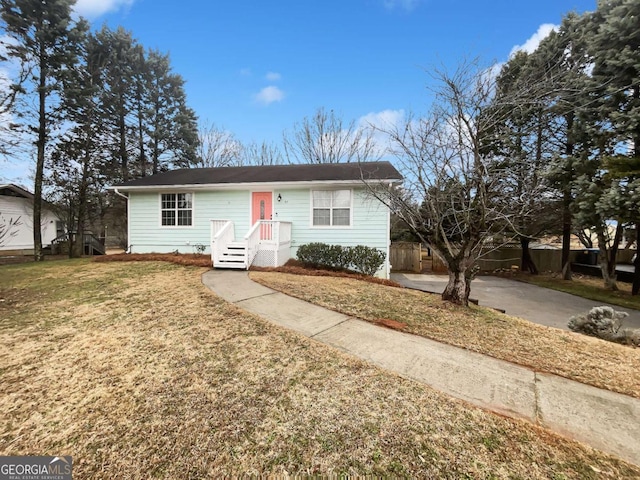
{"points": [[138, 371], [571, 355]]}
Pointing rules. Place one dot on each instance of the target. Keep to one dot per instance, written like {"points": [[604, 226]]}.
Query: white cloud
{"points": [[380, 122], [384, 120], [269, 94], [95, 8], [273, 76], [402, 4], [532, 43], [245, 72]]}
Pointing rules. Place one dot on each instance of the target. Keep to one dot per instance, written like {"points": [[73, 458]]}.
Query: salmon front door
{"points": [[261, 209]]}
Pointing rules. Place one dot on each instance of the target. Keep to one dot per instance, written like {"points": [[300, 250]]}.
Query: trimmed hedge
{"points": [[360, 258]]}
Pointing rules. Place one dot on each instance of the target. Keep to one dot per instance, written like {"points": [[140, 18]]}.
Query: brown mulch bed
{"points": [[292, 266], [296, 267]]}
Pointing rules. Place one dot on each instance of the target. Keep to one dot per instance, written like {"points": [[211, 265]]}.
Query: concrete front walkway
{"points": [[519, 299], [607, 421]]}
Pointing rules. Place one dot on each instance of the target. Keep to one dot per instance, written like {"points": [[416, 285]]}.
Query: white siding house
{"points": [[258, 215], [16, 221]]}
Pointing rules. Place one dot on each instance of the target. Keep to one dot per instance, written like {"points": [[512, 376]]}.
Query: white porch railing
{"points": [[253, 240], [272, 231], [222, 233], [268, 243]]}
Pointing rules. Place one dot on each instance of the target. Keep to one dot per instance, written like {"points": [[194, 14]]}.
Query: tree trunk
{"points": [[566, 236], [608, 274], [457, 290], [610, 281], [585, 239], [122, 132], [566, 202], [613, 253], [42, 140], [142, 157], [635, 287], [527, 263], [78, 250]]}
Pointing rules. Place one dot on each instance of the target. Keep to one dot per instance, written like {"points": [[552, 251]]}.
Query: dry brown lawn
{"points": [[571, 355], [138, 371]]}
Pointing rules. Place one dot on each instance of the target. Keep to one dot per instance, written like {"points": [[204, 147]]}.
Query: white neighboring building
{"points": [[16, 222]]}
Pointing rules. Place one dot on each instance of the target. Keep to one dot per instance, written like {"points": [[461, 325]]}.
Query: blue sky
{"points": [[256, 67]]}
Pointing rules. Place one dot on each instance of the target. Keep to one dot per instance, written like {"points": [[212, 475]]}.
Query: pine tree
{"points": [[524, 151], [172, 128], [43, 36], [118, 49], [79, 156], [615, 45], [563, 64]]}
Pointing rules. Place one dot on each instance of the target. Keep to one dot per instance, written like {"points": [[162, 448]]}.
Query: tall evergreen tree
{"points": [[43, 35], [523, 151], [79, 155], [172, 127], [118, 49], [615, 46], [140, 106], [563, 64]]}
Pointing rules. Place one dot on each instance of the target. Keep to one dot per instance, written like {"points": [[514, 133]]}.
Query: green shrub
{"points": [[313, 254], [365, 259], [360, 258]]}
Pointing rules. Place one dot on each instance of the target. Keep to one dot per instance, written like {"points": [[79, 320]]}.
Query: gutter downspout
{"points": [[128, 217], [121, 194]]}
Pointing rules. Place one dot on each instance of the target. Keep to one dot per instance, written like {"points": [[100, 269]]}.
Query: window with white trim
{"points": [[331, 208], [176, 209]]}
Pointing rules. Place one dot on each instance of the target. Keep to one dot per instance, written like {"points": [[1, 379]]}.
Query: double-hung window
{"points": [[331, 208], [177, 209]]}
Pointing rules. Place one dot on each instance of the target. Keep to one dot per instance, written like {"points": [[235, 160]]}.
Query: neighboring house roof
{"points": [[325, 172], [11, 190]]}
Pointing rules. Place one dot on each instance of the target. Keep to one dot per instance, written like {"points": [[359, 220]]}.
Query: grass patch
{"points": [[586, 287], [571, 355], [160, 378]]}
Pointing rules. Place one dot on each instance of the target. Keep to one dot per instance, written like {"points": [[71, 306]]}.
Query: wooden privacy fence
{"points": [[405, 257]]}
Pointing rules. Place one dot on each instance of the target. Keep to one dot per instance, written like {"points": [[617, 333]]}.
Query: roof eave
{"points": [[18, 190], [253, 185]]}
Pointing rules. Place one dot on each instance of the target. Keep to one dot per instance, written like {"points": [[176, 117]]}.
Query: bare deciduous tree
{"points": [[451, 195], [262, 154], [325, 138], [217, 148]]}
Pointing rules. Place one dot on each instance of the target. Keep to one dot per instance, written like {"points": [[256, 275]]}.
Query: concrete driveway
{"points": [[519, 299]]}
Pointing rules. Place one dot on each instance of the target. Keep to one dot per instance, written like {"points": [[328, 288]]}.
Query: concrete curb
{"points": [[602, 419]]}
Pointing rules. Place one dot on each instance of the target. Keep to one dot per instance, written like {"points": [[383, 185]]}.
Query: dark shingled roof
{"points": [[270, 174]]}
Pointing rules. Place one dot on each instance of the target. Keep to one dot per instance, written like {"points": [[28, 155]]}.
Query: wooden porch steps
{"points": [[233, 256]]}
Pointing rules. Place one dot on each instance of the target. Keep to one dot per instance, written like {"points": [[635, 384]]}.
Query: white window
{"points": [[331, 208], [177, 209]]}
